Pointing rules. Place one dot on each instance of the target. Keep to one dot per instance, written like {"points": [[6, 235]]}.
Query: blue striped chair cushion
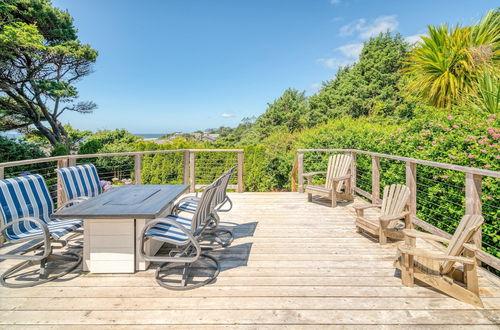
{"points": [[57, 229], [189, 206], [169, 233], [81, 180], [28, 196]]}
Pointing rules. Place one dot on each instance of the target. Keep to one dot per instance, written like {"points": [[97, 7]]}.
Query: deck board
{"points": [[292, 263]]}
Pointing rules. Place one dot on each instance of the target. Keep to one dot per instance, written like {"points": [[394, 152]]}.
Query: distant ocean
{"points": [[148, 135], [14, 135]]}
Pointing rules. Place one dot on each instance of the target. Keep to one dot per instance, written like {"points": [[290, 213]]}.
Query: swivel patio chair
{"points": [[79, 183], [189, 204], [184, 234], [440, 269], [393, 208], [25, 209], [338, 180]]}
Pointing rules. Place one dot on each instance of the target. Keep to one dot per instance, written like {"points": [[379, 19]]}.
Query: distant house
{"points": [[198, 136]]}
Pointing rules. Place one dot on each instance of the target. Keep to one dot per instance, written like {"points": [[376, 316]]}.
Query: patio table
{"points": [[113, 222]]}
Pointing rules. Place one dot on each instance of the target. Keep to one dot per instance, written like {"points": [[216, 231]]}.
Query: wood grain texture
{"points": [[292, 264]]}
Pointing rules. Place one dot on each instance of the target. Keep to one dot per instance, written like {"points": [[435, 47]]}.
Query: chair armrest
{"points": [[394, 217], [73, 201], [360, 209], [45, 236], [309, 174], [471, 247], [418, 234], [201, 189], [364, 207], [177, 225], [340, 178], [434, 255]]}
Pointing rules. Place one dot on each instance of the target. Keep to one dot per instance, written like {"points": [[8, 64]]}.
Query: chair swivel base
{"points": [[185, 270], [223, 237], [43, 276]]}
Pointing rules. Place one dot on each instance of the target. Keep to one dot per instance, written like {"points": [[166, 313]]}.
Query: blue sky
{"points": [[183, 65]]}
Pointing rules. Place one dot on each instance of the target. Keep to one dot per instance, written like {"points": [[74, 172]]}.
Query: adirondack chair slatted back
{"points": [[25, 196], [338, 165], [205, 206], [223, 182], [80, 181], [468, 226], [395, 199]]}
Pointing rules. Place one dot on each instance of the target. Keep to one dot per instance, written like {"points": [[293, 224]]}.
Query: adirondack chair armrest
{"points": [[394, 217], [341, 178], [471, 247], [309, 175], [418, 234], [360, 209], [416, 252]]}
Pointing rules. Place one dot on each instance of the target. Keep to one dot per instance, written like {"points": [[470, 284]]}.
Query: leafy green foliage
{"points": [[40, 58], [286, 114], [59, 150], [447, 65], [74, 138], [12, 150], [96, 142], [54, 25], [370, 86]]}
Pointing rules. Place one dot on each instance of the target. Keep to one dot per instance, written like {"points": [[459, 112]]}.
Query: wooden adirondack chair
{"points": [[338, 180], [439, 269], [393, 208]]}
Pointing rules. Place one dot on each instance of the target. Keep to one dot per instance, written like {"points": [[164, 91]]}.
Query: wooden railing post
{"points": [[71, 161], [191, 171], [186, 167], [354, 172], [411, 183], [60, 194], [375, 179], [300, 171], [138, 168], [240, 171], [473, 203]]}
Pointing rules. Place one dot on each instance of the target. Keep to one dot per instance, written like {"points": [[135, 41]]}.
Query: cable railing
{"points": [[195, 167], [440, 193]]}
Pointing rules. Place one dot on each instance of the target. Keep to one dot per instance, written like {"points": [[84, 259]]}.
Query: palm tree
{"points": [[446, 66]]}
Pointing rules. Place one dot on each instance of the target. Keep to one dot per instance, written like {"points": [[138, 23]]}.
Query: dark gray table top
{"points": [[126, 202]]}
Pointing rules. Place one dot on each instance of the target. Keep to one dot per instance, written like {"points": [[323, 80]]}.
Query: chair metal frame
{"points": [[187, 253], [221, 198], [42, 258]]}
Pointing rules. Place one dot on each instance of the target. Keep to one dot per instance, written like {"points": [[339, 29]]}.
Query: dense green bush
{"points": [[94, 143], [458, 138], [12, 149]]}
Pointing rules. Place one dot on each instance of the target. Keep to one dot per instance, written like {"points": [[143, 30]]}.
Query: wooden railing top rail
{"points": [[465, 169], [112, 154]]}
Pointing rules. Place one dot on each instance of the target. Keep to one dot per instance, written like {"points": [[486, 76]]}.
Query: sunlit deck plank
{"points": [[292, 263]]}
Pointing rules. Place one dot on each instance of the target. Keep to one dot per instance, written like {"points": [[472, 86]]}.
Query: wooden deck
{"points": [[293, 263]]}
